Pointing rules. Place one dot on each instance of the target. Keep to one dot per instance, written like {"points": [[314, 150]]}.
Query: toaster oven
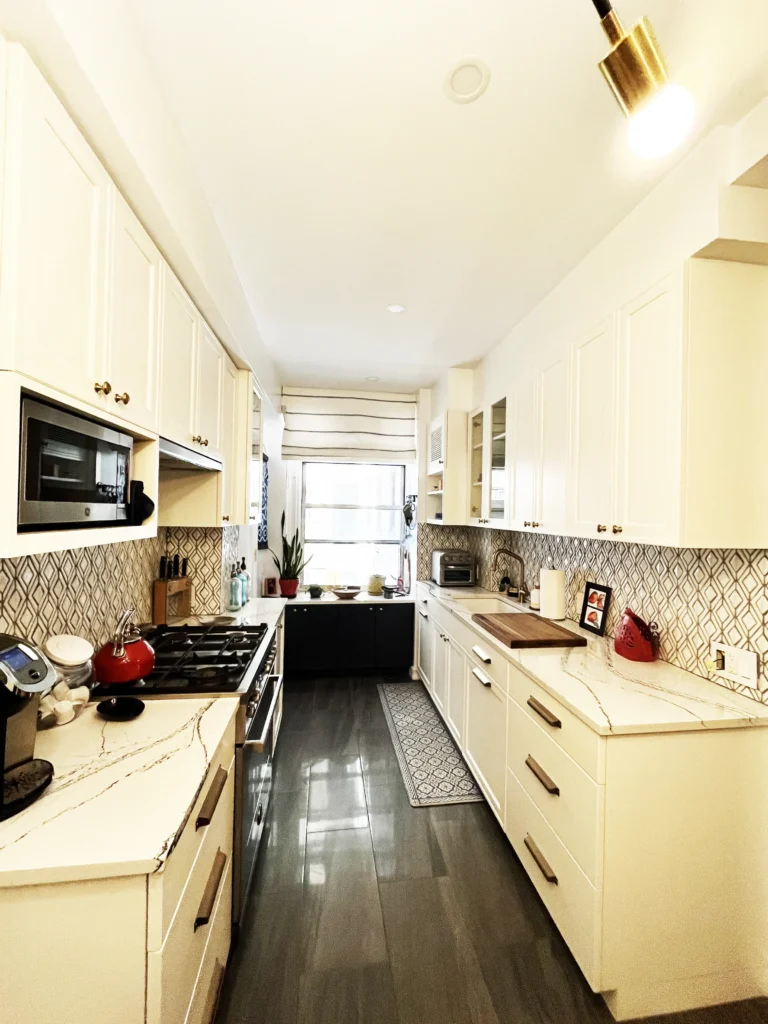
{"points": [[453, 568]]}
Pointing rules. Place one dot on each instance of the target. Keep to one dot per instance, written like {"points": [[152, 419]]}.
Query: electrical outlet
{"points": [[733, 663]]}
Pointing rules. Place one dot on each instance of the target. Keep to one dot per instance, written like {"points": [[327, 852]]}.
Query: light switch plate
{"points": [[738, 665]]}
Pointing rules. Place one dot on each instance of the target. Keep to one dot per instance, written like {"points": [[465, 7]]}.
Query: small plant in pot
{"points": [[292, 563]]}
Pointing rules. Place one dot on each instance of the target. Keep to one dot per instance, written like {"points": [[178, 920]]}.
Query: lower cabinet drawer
{"points": [[203, 1005], [172, 971], [568, 895], [570, 800], [583, 744]]}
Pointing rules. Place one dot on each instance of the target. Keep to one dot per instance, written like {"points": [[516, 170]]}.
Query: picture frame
{"points": [[269, 586], [594, 610]]}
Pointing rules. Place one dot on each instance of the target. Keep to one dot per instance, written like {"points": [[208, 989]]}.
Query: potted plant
{"points": [[292, 563]]}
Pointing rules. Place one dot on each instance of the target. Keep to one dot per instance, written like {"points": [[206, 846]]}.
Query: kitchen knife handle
{"points": [[184, 564], [212, 797], [208, 900]]}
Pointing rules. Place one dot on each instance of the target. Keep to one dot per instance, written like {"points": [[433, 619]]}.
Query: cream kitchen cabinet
{"points": [[486, 736], [524, 405], [445, 501], [56, 199], [552, 462], [489, 469], [208, 401], [456, 690], [425, 645], [179, 338], [440, 669], [129, 373]]}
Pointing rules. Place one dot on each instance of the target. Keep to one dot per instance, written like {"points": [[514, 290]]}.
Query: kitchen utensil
{"points": [[635, 639], [375, 584], [346, 593], [25, 673], [127, 657], [521, 630], [176, 566], [389, 591], [552, 588], [120, 709], [140, 505], [184, 564], [171, 599], [163, 567]]}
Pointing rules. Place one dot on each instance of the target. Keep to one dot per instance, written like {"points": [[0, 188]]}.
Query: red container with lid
{"points": [[635, 639]]}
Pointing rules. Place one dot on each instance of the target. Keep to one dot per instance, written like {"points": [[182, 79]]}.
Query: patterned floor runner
{"points": [[432, 767]]}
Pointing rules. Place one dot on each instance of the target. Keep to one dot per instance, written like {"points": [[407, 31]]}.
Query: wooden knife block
{"points": [[171, 599]]}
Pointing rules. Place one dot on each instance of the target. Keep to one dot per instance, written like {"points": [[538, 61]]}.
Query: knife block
{"points": [[171, 599]]}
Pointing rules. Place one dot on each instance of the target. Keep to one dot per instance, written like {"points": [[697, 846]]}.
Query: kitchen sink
{"points": [[486, 605]]}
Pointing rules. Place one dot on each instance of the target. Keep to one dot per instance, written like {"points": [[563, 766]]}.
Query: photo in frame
{"points": [[269, 586], [594, 611]]}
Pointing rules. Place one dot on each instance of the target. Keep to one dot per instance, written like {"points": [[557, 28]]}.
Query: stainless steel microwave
{"points": [[73, 472]]}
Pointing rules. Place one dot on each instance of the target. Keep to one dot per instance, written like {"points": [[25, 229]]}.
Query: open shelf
{"points": [[436, 522], [499, 437]]}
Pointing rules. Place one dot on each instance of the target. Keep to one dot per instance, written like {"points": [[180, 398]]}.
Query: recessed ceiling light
{"points": [[396, 308], [467, 80], [373, 378]]}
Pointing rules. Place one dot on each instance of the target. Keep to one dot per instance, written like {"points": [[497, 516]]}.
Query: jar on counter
{"points": [[72, 657]]}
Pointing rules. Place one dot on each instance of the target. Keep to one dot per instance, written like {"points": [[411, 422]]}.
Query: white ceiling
{"points": [[344, 180]]}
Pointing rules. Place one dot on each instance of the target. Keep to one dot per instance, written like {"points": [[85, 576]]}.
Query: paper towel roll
{"points": [[552, 588]]}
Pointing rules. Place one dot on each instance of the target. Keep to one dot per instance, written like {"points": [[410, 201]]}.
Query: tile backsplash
{"points": [[694, 596], [84, 591]]}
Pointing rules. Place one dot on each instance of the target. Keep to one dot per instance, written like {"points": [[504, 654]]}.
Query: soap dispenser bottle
{"points": [[245, 576], [235, 590]]}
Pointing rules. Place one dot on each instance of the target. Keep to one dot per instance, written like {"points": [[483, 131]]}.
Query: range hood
{"points": [[176, 456]]}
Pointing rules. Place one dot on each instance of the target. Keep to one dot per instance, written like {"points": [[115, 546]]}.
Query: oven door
{"points": [[255, 785], [72, 471]]}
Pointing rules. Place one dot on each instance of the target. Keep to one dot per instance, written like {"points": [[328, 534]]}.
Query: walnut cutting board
{"points": [[518, 629]]}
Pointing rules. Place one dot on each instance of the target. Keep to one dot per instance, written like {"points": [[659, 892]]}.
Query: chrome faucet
{"points": [[522, 590]]}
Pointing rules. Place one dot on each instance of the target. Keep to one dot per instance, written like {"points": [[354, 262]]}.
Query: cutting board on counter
{"points": [[519, 629]]}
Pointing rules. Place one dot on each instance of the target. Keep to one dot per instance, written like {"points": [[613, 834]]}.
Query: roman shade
{"points": [[355, 426]]}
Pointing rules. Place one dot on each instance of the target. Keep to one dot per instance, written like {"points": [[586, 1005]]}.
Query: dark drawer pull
{"points": [[541, 861], [212, 797], [205, 909], [213, 992], [542, 776], [544, 713]]}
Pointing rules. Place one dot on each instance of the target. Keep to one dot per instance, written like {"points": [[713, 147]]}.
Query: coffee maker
{"points": [[25, 673]]}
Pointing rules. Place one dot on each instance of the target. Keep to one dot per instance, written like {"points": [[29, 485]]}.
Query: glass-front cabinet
{"points": [[477, 475], [498, 478]]}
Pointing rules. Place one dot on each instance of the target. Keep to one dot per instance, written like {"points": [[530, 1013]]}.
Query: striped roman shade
{"points": [[357, 426]]}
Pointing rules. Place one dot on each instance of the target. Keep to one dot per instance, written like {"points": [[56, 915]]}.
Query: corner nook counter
{"points": [[633, 795]]}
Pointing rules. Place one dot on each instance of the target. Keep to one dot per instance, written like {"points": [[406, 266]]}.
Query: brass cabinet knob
{"points": [[535, 525], [102, 389], [205, 442], [225, 518], [601, 528], [618, 529], [526, 523], [252, 518], [197, 439], [124, 398]]}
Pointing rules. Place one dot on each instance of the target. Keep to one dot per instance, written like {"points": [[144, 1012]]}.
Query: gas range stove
{"points": [[194, 660]]}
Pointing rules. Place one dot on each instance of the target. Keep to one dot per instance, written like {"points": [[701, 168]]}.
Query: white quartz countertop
{"points": [[362, 598], [121, 793], [611, 694]]}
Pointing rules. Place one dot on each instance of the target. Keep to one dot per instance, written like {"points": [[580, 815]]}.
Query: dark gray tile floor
{"points": [[366, 910]]}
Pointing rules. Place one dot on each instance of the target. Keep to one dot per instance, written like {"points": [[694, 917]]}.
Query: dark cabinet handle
{"points": [[541, 861], [212, 797], [208, 900], [544, 713], [213, 991], [259, 813], [542, 776]]}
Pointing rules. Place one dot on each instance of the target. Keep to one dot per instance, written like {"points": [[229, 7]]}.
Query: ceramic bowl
{"points": [[346, 593]]}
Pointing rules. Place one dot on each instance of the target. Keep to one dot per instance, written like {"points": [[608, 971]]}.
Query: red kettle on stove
{"points": [[127, 657]]}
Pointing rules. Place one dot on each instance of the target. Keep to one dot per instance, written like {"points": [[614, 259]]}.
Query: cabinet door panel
{"points": [[525, 451], [593, 429], [312, 638], [553, 384], [210, 361], [456, 691], [486, 737], [394, 636], [650, 420], [133, 365], [425, 646], [179, 333], [59, 260], [439, 667], [229, 447]]}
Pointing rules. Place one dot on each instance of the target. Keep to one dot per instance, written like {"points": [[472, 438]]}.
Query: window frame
{"points": [[367, 508]]}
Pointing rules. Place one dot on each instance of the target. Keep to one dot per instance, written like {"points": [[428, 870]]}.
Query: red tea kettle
{"points": [[127, 657]]}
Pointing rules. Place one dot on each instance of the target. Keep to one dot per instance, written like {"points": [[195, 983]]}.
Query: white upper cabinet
{"points": [[478, 470], [208, 404], [131, 366], [593, 419], [56, 198], [180, 323], [651, 415], [551, 513], [525, 406]]}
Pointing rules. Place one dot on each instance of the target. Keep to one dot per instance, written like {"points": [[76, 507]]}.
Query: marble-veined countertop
{"points": [[609, 693], [120, 796]]}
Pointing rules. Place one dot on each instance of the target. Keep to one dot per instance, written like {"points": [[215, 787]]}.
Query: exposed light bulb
{"points": [[662, 123]]}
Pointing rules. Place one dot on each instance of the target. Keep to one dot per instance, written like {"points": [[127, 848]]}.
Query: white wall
{"points": [[94, 58]]}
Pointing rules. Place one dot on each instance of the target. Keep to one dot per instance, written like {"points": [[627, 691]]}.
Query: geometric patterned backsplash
{"points": [[84, 591], [694, 596]]}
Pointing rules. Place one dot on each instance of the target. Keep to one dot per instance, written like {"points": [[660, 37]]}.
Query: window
{"points": [[352, 521]]}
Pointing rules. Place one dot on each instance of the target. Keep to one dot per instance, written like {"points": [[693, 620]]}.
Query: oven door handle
{"points": [[259, 744]]}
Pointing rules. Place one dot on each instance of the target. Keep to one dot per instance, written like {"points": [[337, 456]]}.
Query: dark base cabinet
{"points": [[335, 638]]}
